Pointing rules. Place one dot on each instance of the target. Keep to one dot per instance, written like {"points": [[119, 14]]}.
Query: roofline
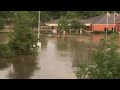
{"points": [[103, 24]]}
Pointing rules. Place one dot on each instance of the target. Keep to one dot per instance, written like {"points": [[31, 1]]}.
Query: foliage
{"points": [[23, 38], [9, 16], [72, 14], [63, 24], [106, 62], [34, 17], [89, 14], [5, 51], [56, 14], [75, 24], [1, 23], [47, 15], [44, 16]]}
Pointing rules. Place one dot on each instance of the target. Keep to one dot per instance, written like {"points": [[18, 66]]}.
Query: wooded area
{"points": [[8, 16]]}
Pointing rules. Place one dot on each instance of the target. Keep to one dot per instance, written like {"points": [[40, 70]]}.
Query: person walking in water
{"points": [[54, 31], [64, 33]]}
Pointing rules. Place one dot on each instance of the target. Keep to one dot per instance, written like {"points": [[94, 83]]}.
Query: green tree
{"points": [[89, 14], [5, 51], [63, 24], [56, 14], [23, 38], [76, 25], [106, 62], [45, 16], [72, 14], [1, 23], [34, 17]]}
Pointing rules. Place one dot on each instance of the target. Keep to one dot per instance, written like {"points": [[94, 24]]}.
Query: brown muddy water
{"points": [[56, 60]]}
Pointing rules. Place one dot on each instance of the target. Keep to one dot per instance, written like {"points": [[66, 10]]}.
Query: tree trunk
{"points": [[61, 32], [70, 31], [64, 32], [77, 31]]}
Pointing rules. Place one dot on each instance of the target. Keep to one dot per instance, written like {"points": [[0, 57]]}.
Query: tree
{"points": [[34, 17], [56, 14], [89, 14], [63, 24], [72, 14], [23, 38], [45, 16], [106, 62], [75, 24], [1, 23]]}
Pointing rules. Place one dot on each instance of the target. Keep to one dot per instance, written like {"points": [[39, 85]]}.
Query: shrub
{"points": [[106, 62], [1, 23], [5, 51]]}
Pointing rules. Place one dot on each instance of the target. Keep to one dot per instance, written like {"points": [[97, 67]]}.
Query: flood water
{"points": [[56, 60]]}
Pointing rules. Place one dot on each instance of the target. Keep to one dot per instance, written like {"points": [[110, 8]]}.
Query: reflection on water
{"points": [[56, 60], [4, 64], [22, 67]]}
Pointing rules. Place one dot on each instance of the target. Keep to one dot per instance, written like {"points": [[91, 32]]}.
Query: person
{"points": [[80, 31], [65, 33], [54, 31]]}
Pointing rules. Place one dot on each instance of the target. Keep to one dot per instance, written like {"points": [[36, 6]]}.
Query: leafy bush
{"points": [[1, 23], [5, 51], [106, 62]]}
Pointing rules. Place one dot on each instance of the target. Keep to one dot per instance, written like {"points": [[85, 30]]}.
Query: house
{"points": [[98, 23]]}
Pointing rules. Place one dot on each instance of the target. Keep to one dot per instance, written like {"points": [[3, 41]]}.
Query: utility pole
{"points": [[39, 26], [39, 44]]}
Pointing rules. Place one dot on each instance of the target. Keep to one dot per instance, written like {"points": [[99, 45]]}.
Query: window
{"points": [[113, 29], [106, 29]]}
